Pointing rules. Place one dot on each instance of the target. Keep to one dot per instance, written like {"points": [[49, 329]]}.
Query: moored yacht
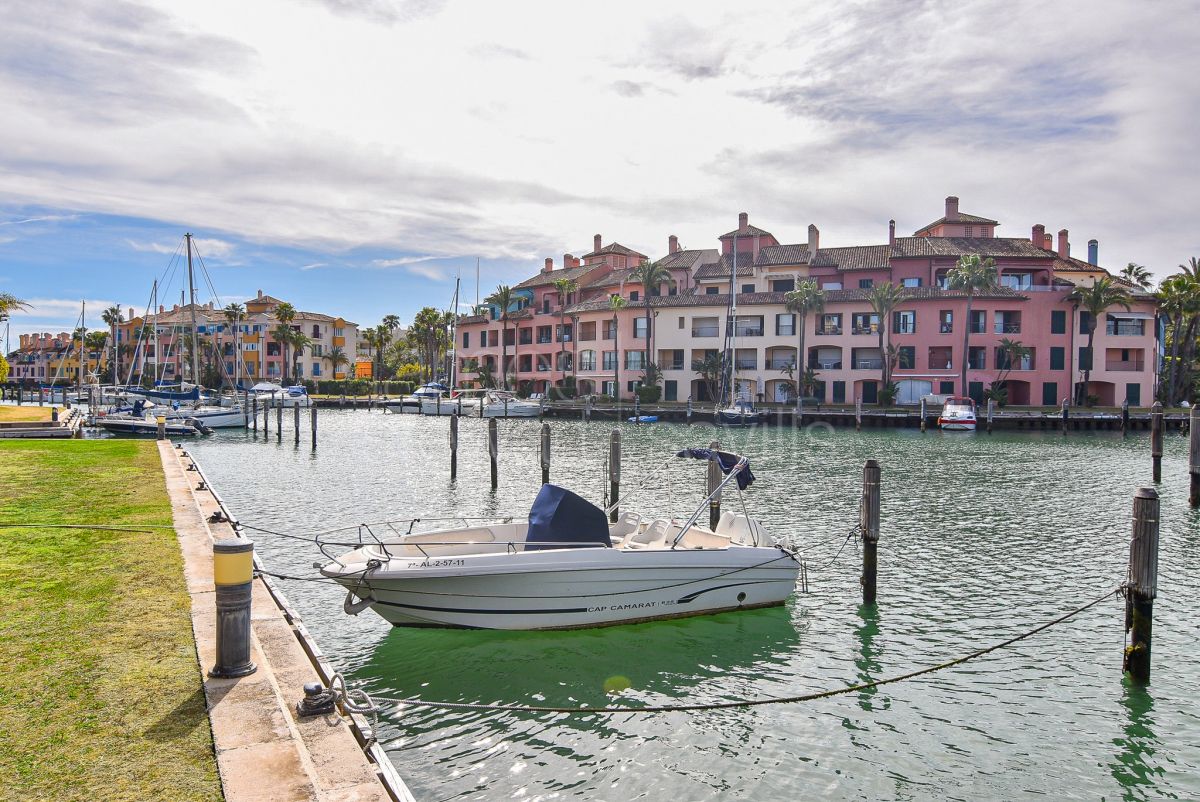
{"points": [[958, 414]]}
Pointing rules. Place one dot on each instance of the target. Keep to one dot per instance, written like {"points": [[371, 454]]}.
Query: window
{"points": [[1085, 358], [671, 360], [526, 336], [563, 333], [1049, 394], [639, 328], [546, 305], [681, 321], [783, 284], [705, 327], [785, 325], [747, 288], [1058, 321], [316, 333], [904, 322], [633, 296], [749, 326], [587, 331], [911, 282], [830, 323], [978, 321], [839, 392], [1058, 357], [610, 360], [1007, 323], [977, 358], [672, 290], [1123, 327], [945, 388], [864, 323], [510, 336], [543, 334], [1085, 321], [1017, 281], [610, 330], [711, 290], [466, 339], [316, 369], [906, 357], [866, 283], [833, 285], [587, 360], [946, 321], [635, 360], [968, 231]]}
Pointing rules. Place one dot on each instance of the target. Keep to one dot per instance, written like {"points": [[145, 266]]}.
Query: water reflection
{"points": [[866, 662], [1134, 770]]}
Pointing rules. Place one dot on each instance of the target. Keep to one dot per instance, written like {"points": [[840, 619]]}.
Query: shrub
{"points": [[648, 395]]}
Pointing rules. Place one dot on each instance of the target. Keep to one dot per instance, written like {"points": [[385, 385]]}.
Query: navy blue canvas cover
{"points": [[559, 519], [725, 460]]}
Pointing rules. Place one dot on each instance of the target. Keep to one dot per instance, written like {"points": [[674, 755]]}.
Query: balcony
{"points": [[780, 363], [749, 331], [865, 330], [1006, 328], [544, 340], [742, 363], [705, 331], [829, 330], [825, 364], [868, 364], [1128, 365], [1130, 328]]}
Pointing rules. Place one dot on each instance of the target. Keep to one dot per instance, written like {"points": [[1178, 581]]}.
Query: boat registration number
{"points": [[437, 564]]}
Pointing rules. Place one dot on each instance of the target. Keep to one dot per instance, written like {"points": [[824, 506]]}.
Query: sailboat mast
{"points": [[82, 349], [453, 349], [195, 331]]}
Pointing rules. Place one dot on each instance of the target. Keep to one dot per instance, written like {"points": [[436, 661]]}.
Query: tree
{"points": [[807, 297], [112, 316], [484, 375], [884, 298], [233, 316], [3, 369], [651, 275], [1096, 299], [282, 334], [709, 368], [10, 303], [503, 298], [616, 303], [973, 276], [336, 358], [1138, 275], [1178, 297], [298, 340], [1010, 352], [429, 336], [565, 287]]}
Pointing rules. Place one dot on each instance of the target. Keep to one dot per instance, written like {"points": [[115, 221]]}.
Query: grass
{"points": [[9, 414], [100, 692]]}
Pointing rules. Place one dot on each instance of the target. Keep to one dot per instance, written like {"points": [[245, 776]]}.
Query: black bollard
{"points": [[545, 453], [233, 576], [713, 480], [1156, 439], [1143, 584]]}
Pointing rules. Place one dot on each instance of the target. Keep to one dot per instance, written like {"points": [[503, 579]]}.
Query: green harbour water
{"points": [[983, 537]]}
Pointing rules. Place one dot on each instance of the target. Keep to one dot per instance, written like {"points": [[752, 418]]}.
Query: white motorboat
{"points": [[412, 404], [504, 404], [146, 426], [212, 417], [740, 413], [566, 567], [272, 395], [958, 414]]}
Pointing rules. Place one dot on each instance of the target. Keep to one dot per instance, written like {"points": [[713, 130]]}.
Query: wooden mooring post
{"points": [[1156, 439], [266, 420], [493, 451], [1194, 456], [1142, 586], [688, 417], [923, 421], [1125, 418], [313, 425], [858, 414], [869, 523], [614, 473], [545, 453], [1065, 416], [279, 422], [991, 411], [296, 422], [454, 446], [713, 482]]}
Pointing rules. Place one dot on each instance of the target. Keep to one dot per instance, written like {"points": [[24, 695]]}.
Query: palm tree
{"points": [[973, 276], [651, 275], [383, 336], [503, 298], [565, 287], [298, 340], [1103, 293], [336, 357], [807, 297], [113, 317], [616, 303], [884, 298], [10, 303], [282, 334], [233, 316], [1138, 275], [1010, 352], [1178, 297]]}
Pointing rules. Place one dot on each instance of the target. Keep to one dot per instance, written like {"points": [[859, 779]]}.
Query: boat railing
{"points": [[695, 516]]}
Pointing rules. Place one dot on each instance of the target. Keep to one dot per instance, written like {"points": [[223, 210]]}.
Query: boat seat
{"points": [[724, 523], [653, 536], [742, 530], [626, 525]]}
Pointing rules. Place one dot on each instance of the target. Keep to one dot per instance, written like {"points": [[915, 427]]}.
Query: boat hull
{"points": [[957, 424], [576, 588]]}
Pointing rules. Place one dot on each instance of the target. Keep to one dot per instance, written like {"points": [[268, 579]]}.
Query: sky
{"points": [[355, 156]]}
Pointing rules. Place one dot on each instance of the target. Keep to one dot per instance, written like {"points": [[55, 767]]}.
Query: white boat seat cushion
{"points": [[742, 530], [653, 536], [724, 523], [627, 524]]}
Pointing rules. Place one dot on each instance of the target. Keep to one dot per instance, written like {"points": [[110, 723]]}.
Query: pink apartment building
{"points": [[607, 350]]}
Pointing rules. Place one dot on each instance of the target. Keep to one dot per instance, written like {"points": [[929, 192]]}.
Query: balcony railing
{"points": [[865, 330], [1127, 365], [749, 331], [587, 366], [674, 366], [706, 331], [1007, 328], [825, 364], [829, 330], [746, 364], [868, 364], [780, 364], [1125, 330], [544, 340]]}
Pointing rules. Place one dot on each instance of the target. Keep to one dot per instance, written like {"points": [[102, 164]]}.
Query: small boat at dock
{"points": [[958, 415], [565, 566]]}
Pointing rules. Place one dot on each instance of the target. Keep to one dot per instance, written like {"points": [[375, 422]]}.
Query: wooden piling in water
{"points": [[1125, 418], [1194, 456], [1156, 439], [713, 481], [990, 413], [688, 419], [869, 524], [545, 453], [1142, 586], [279, 422], [1065, 416], [453, 447], [923, 422], [614, 473], [493, 451], [313, 425], [296, 422], [858, 414], [637, 408]]}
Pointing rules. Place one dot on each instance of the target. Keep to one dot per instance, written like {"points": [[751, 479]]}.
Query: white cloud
{"points": [[214, 249], [59, 314], [407, 125], [312, 265]]}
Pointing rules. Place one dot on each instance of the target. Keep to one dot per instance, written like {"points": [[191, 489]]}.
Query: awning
{"points": [[1131, 315]]}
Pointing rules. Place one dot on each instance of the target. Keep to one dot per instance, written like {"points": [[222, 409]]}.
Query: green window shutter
{"points": [[1058, 321], [1085, 358], [1058, 357], [1049, 394]]}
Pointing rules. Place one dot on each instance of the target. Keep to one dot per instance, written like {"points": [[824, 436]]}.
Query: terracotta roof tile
{"points": [[751, 231], [961, 246], [859, 257], [542, 278], [783, 255], [962, 218], [692, 298], [720, 269], [614, 248]]}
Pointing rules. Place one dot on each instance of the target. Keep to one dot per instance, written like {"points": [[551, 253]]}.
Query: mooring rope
{"points": [[775, 700]]}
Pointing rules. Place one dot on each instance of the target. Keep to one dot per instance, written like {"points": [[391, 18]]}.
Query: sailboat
{"points": [[737, 411]]}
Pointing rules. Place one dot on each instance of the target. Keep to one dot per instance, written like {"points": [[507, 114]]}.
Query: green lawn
{"points": [[100, 693], [24, 413]]}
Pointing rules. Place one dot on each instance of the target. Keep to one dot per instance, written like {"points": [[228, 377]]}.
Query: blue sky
{"points": [[353, 156]]}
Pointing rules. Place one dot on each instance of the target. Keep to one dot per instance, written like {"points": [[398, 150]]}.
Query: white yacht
{"points": [[566, 567], [504, 404], [412, 404], [272, 395]]}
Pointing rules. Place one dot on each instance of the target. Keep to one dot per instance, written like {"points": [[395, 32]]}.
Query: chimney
{"points": [[1064, 248], [1093, 252], [1048, 242], [1038, 237], [672, 244], [814, 240], [596, 243], [569, 261], [891, 232], [130, 314], [743, 221], [951, 209], [260, 294], [549, 265]]}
